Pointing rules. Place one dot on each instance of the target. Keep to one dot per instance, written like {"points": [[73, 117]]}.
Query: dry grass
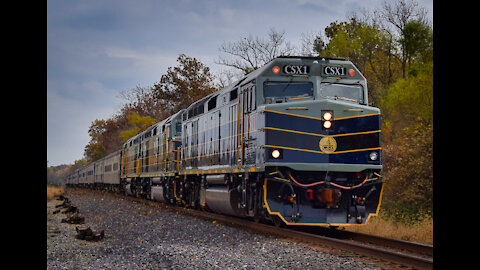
{"points": [[53, 191], [420, 232]]}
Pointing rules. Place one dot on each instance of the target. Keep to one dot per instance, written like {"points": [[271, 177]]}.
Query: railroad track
{"points": [[401, 252], [391, 250]]}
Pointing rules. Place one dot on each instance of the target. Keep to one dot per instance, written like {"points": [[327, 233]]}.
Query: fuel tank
{"points": [[221, 200], [157, 194]]}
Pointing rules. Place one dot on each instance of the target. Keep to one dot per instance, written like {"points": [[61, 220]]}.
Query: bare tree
{"points": [[227, 76], [312, 44], [399, 15], [248, 53], [401, 12], [142, 100]]}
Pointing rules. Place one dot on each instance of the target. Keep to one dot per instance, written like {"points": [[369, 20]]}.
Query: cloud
{"points": [[71, 108], [96, 49], [144, 64]]}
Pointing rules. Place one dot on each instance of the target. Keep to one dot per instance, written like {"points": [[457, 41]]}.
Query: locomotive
{"points": [[293, 142]]}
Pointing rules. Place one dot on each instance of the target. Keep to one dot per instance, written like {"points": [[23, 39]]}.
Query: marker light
{"points": [[351, 72], [327, 124], [276, 69], [275, 153], [327, 116]]}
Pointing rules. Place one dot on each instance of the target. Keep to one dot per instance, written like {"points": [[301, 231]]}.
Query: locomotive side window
{"points": [[353, 93], [178, 129], [233, 94], [212, 103], [287, 89]]}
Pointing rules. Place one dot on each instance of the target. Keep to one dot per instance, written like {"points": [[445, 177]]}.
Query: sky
{"points": [[98, 48]]}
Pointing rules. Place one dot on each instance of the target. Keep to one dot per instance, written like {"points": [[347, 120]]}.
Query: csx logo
{"points": [[331, 70], [295, 69]]}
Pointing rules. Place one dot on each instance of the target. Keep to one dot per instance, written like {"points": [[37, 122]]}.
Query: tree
{"points": [[410, 99], [95, 150], [138, 124], [183, 85], [367, 46], [399, 15], [417, 42], [408, 171], [142, 100], [105, 135], [249, 54]]}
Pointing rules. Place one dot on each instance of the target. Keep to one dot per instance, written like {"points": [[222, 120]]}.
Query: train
{"points": [[293, 143]]}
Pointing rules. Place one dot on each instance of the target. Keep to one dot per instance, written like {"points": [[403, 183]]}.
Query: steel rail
{"points": [[394, 243], [413, 247]]}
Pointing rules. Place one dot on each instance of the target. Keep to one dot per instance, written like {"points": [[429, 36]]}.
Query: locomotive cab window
{"points": [[283, 90], [352, 93]]}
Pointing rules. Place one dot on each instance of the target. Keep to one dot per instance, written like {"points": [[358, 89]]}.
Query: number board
{"points": [[297, 70], [334, 71]]}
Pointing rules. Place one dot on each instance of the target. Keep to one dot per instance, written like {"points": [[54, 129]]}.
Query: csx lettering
{"points": [[295, 69], [329, 70]]}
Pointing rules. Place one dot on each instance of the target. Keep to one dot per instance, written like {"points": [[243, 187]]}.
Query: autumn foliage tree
{"points": [[184, 84], [137, 125], [178, 88]]}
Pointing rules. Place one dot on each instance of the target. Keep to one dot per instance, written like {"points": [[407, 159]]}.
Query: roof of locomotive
{"points": [[159, 124], [258, 72]]}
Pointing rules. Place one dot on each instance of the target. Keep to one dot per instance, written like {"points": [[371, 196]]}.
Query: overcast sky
{"points": [[98, 48]]}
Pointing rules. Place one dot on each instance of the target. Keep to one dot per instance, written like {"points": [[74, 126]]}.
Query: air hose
{"points": [[333, 184]]}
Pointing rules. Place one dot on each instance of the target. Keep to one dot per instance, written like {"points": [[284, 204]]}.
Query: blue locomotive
{"points": [[293, 142]]}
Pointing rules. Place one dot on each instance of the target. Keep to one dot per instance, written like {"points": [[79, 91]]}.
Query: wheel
{"points": [[278, 222]]}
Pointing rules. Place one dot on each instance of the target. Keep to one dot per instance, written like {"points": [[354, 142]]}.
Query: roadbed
{"points": [[152, 236]]}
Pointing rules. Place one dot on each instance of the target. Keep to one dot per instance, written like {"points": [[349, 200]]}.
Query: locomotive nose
{"points": [[322, 132]]}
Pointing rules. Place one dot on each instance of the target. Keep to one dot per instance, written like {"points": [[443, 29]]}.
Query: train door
{"points": [[146, 154], [246, 107], [216, 137], [138, 151], [123, 159], [232, 127], [194, 144], [166, 137]]}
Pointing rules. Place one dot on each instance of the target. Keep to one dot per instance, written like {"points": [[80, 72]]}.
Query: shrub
{"points": [[408, 173]]}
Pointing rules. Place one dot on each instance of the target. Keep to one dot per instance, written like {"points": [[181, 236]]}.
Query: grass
{"points": [[53, 191], [420, 232]]}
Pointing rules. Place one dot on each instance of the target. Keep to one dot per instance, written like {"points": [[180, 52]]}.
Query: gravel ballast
{"points": [[149, 236]]}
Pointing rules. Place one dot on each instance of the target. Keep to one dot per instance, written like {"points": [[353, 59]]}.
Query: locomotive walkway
{"points": [[141, 234]]}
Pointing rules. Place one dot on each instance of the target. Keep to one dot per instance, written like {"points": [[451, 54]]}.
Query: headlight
{"points": [[327, 118], [327, 124], [275, 153], [373, 155]]}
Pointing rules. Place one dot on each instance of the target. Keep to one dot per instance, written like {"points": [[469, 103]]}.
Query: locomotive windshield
{"points": [[346, 92], [287, 89]]}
